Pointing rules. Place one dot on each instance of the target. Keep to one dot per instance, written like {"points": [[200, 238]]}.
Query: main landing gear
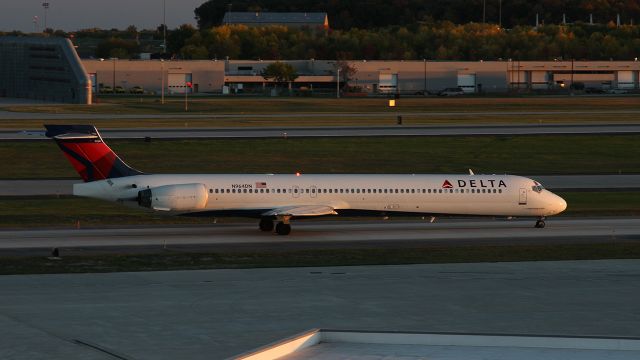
{"points": [[282, 227], [540, 223], [266, 224]]}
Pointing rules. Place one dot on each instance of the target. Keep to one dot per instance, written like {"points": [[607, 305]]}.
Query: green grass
{"points": [[575, 154], [265, 105], [429, 111], [68, 212], [330, 257]]}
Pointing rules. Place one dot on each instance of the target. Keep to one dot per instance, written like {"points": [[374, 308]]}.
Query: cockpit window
{"points": [[537, 188]]}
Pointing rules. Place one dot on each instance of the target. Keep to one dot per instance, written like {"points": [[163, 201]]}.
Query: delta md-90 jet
{"points": [[277, 199]]}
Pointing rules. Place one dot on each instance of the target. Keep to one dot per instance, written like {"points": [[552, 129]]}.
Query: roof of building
{"points": [[274, 18]]}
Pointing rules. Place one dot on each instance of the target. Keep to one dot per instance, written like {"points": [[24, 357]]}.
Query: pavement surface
{"points": [[341, 131], [321, 234], [213, 314], [551, 182]]}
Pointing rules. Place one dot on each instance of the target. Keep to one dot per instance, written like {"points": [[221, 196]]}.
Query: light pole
{"points": [[164, 26], [484, 11], [500, 13], [338, 84], [162, 77], [113, 60], [424, 91], [35, 23], [45, 5]]}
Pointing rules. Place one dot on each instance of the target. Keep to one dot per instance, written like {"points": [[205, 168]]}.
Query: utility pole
{"points": [[500, 13]]}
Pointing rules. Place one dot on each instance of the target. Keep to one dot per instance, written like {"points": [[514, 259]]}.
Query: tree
{"points": [[280, 72], [347, 71]]}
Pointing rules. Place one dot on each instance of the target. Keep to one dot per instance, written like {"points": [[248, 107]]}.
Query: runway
{"points": [[328, 234], [342, 131]]}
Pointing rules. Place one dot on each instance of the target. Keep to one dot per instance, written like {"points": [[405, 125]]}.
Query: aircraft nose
{"points": [[560, 204]]}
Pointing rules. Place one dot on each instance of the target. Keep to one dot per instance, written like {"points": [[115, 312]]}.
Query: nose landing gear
{"points": [[540, 223]]}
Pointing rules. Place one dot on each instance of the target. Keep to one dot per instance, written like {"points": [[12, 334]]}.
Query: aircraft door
{"points": [[295, 191], [314, 191], [523, 197]]}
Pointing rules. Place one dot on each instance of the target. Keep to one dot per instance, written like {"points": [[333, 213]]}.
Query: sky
{"points": [[71, 15]]}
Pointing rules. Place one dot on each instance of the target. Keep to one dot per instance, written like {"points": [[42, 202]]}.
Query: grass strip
{"points": [[267, 105], [549, 154], [334, 257]]}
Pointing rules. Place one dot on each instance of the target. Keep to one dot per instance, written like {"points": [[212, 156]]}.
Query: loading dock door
{"points": [[523, 197], [177, 83], [626, 79], [467, 82], [388, 83]]}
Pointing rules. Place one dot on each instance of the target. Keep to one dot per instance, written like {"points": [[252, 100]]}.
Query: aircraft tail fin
{"points": [[88, 153]]}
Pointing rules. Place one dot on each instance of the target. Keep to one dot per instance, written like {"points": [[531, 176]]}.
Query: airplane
{"points": [[283, 197]]}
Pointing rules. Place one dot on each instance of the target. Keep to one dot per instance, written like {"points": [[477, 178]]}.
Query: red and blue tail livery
{"points": [[87, 152]]}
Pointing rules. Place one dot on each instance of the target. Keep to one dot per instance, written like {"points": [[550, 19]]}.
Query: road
{"points": [[329, 234], [552, 182], [342, 131]]}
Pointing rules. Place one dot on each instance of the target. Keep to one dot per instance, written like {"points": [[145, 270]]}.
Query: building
{"points": [[314, 20], [370, 77], [46, 69]]}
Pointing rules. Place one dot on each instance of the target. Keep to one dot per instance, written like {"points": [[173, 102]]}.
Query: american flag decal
{"points": [[261, 185]]}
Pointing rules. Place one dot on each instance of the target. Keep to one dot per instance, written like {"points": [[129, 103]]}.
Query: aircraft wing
{"points": [[301, 210]]}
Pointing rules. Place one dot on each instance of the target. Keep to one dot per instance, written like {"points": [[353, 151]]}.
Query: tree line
{"points": [[434, 41], [369, 14]]}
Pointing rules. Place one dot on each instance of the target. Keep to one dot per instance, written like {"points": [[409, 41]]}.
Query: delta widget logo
{"points": [[447, 185]]}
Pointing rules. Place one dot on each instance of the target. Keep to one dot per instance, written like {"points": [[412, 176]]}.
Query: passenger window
{"points": [[440, 191], [500, 191], [233, 191], [358, 191], [306, 190], [244, 191]]}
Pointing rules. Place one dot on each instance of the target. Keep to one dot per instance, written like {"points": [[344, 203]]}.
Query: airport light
{"points": [[45, 5], [35, 23]]}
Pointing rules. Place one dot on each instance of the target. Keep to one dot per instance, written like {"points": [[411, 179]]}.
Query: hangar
{"points": [[45, 69]]}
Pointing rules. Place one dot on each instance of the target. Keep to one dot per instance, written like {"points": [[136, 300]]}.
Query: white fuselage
{"points": [[497, 195]]}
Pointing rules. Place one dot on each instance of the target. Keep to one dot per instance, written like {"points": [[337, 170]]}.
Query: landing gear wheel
{"points": [[283, 229], [540, 224], [266, 224]]}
